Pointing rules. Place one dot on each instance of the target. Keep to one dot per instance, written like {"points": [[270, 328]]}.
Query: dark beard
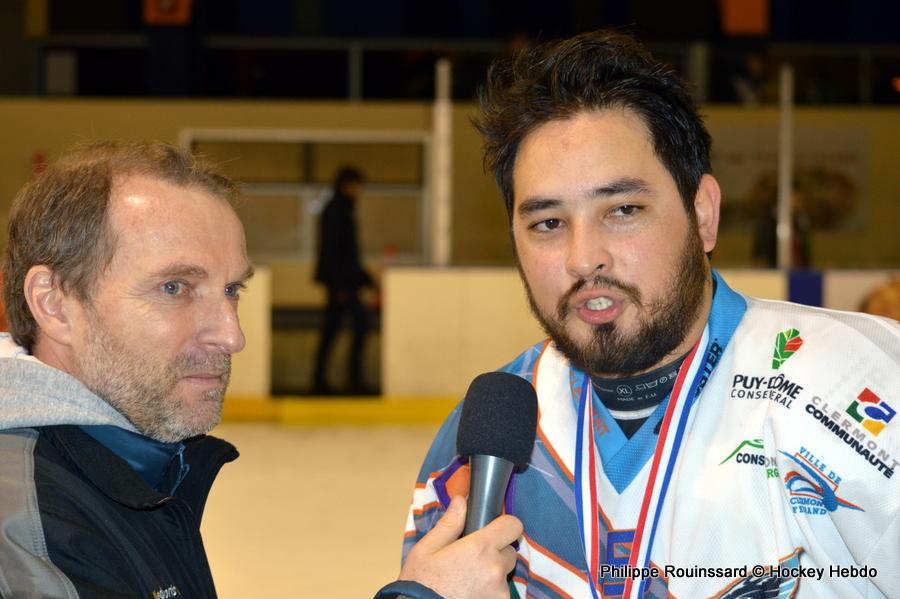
{"points": [[662, 325]]}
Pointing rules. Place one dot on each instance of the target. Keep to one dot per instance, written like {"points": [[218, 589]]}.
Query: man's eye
{"points": [[547, 225], [234, 290], [626, 210], [173, 288]]}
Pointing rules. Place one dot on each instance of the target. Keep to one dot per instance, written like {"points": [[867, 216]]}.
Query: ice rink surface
{"points": [[311, 512]]}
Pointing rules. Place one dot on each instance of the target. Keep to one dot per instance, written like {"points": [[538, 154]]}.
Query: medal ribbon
{"points": [[671, 434]]}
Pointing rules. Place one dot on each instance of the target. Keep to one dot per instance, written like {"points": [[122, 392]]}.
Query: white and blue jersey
{"points": [[772, 474]]}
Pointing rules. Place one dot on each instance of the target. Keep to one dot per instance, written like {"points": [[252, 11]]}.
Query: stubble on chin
{"points": [[181, 418], [148, 393]]}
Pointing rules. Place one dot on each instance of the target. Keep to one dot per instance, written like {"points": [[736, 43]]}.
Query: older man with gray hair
{"points": [[123, 272]]}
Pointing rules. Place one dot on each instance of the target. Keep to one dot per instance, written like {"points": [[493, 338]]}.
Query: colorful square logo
{"points": [[871, 411]]}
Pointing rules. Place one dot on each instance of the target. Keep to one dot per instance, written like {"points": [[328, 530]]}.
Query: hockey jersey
{"points": [[770, 471]]}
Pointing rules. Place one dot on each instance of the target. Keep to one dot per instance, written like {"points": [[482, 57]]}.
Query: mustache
{"points": [[197, 362], [630, 291]]}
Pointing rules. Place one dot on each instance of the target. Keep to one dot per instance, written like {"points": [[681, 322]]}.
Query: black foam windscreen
{"points": [[499, 418]]}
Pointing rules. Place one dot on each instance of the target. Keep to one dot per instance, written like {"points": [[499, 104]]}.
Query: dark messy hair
{"points": [[591, 71], [60, 218]]}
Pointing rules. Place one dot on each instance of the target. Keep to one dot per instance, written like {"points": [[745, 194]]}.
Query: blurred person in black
{"points": [[340, 270]]}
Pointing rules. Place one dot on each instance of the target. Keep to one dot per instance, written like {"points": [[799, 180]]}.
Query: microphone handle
{"points": [[489, 477]]}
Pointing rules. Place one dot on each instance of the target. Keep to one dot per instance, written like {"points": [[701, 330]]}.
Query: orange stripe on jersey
{"points": [[435, 474], [540, 432], [534, 370], [608, 523], [426, 507], [796, 552], [552, 451], [547, 553], [458, 483], [532, 574], [546, 582]]}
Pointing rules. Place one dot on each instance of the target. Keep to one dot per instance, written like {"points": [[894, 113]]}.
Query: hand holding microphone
{"points": [[496, 431], [473, 567]]}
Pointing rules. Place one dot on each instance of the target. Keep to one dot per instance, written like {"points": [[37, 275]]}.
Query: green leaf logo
{"points": [[755, 443], [786, 343]]}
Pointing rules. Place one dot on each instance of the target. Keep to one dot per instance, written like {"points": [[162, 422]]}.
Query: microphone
{"points": [[496, 432]]}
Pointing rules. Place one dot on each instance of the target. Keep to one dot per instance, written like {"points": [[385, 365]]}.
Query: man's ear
{"points": [[51, 307], [707, 204]]}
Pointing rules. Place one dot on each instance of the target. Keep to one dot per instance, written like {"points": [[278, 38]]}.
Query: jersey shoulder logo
{"points": [[786, 344]]}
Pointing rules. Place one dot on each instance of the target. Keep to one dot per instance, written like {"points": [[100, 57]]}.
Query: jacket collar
{"points": [[120, 482], [150, 458]]}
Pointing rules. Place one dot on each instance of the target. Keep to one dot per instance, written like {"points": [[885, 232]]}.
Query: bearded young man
{"points": [[691, 441], [123, 272]]}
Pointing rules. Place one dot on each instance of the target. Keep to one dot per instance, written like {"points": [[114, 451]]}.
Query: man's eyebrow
{"points": [[532, 205], [194, 271], [624, 186], [182, 270], [248, 274]]}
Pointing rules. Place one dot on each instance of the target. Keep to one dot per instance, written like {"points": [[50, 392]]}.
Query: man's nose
{"points": [[588, 252], [221, 329]]}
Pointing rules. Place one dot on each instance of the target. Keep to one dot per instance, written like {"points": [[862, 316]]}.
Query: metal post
{"points": [[784, 229], [354, 71], [698, 70], [442, 166]]}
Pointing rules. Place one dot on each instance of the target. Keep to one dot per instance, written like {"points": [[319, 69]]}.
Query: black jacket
{"points": [[339, 265], [109, 533]]}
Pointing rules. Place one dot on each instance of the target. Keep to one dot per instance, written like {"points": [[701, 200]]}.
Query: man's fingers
{"points": [[498, 534], [503, 531], [448, 528], [473, 567], [509, 557]]}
